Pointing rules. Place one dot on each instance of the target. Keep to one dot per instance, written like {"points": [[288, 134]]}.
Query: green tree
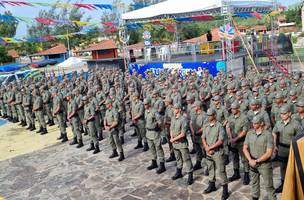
{"points": [[294, 15]]}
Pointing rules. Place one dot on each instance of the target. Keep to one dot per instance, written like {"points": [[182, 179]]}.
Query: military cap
{"points": [[239, 93], [197, 104], [266, 86], [216, 98], [147, 101], [292, 92], [257, 119], [211, 111], [255, 89], [155, 92], [284, 109], [256, 81], [177, 106], [168, 99], [214, 90], [68, 94], [84, 98], [230, 86], [189, 98], [282, 82], [271, 76], [112, 91], [136, 94], [255, 102], [278, 95], [244, 83], [300, 103], [235, 105], [108, 101], [296, 77]]}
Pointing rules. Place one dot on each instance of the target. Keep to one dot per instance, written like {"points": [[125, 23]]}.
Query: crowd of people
{"points": [[249, 119]]}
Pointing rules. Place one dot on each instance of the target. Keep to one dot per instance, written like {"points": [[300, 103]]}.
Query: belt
{"points": [[284, 145], [151, 129]]}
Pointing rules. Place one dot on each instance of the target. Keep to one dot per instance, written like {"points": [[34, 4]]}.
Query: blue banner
{"points": [[181, 68]]}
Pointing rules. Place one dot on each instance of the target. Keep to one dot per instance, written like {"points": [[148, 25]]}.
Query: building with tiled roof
{"points": [[58, 53], [103, 50]]}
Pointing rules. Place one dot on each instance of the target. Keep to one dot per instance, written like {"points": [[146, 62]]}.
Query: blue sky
{"points": [[32, 12]]}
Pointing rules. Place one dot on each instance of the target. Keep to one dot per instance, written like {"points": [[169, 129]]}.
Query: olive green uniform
{"points": [[75, 120], [89, 111], [138, 109], [27, 102], [58, 102], [197, 121], [19, 107], [110, 117], [47, 104], [38, 105]]}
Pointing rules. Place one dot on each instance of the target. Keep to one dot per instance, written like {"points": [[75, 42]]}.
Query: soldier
{"points": [[213, 141], [255, 109], [88, 120], [153, 133], [237, 128], [47, 105], [275, 110], [258, 148], [11, 101], [167, 121], [299, 115], [244, 104], [292, 100], [74, 120], [283, 132], [179, 140], [158, 104], [27, 103], [138, 121], [111, 124], [20, 110], [97, 120], [59, 114], [80, 111], [37, 109], [196, 127]]}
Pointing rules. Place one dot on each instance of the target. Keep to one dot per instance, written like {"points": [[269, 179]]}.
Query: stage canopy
{"points": [[184, 8], [72, 62]]}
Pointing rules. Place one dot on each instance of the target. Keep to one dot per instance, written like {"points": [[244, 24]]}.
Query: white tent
{"points": [[171, 7], [72, 62]]}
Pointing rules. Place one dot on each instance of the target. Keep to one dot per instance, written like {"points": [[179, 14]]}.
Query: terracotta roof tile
{"points": [[59, 49], [107, 44]]}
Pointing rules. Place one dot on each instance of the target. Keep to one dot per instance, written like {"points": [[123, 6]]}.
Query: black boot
{"points": [[146, 147], [33, 128], [153, 165], [91, 148], [86, 132], [178, 174], [235, 176], [97, 150], [121, 156], [114, 154], [255, 198], [226, 157], [80, 144], [60, 137], [197, 166], [24, 124], [190, 178], [74, 141], [161, 168], [100, 137], [225, 193], [171, 158], [246, 180], [51, 123], [20, 124], [16, 120], [40, 130], [44, 131], [139, 145], [29, 127], [280, 188], [164, 141], [193, 151], [65, 138], [122, 139], [134, 134], [211, 187]]}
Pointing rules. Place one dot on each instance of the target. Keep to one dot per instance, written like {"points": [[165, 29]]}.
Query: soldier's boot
{"points": [[164, 141], [122, 139], [139, 145], [44, 131], [16, 119], [60, 137], [81, 129], [4, 116], [280, 188], [33, 128], [134, 134], [86, 132], [153, 165], [146, 147], [91, 148], [40, 130], [178, 174], [97, 150], [197, 165], [121, 156], [51, 123], [227, 159], [246, 180], [171, 158], [193, 151], [114, 154], [190, 178], [80, 144], [255, 198], [20, 124], [65, 138], [235, 176], [29, 127], [225, 193], [161, 168], [211, 188], [100, 136], [24, 124]]}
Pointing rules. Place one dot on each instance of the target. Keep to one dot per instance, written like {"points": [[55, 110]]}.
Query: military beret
{"points": [[177, 106], [216, 98], [255, 102], [197, 104], [284, 109], [257, 119], [211, 111], [147, 101], [300, 103], [235, 105]]}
